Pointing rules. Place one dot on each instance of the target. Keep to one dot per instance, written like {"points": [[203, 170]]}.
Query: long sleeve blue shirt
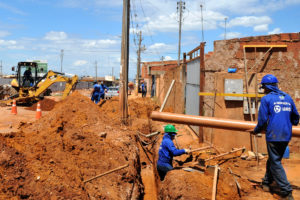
{"points": [[277, 113], [167, 150]]}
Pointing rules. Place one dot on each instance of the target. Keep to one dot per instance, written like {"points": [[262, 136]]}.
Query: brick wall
{"points": [[284, 63]]}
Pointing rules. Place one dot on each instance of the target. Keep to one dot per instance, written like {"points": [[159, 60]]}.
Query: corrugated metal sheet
{"points": [[192, 87]]}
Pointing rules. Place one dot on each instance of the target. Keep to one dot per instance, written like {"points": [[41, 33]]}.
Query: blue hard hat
{"points": [[268, 79]]}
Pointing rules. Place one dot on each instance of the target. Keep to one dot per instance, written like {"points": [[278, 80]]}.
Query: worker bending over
{"points": [[98, 92], [167, 150], [277, 114]]}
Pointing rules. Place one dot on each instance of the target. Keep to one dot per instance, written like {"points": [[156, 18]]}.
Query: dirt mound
{"points": [[72, 143], [180, 184], [46, 105], [137, 108]]}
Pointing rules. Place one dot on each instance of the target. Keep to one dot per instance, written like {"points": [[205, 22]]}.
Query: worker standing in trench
{"points": [[277, 114], [167, 150]]}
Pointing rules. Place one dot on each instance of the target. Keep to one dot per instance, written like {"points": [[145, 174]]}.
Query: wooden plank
{"points": [[108, 172], [214, 190]]}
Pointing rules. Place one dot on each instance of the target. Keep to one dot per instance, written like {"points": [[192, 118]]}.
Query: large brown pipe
{"points": [[213, 122]]}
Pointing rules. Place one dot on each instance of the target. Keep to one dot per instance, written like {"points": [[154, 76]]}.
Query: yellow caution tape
{"points": [[229, 94]]}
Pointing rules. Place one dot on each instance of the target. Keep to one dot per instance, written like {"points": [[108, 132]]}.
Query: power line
{"points": [[158, 54]]}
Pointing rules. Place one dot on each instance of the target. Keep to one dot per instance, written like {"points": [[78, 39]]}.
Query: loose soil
{"points": [[46, 105], [51, 157]]}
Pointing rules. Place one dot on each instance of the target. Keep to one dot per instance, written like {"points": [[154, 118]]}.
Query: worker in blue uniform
{"points": [[277, 114], [144, 89], [103, 89], [167, 151], [98, 92]]}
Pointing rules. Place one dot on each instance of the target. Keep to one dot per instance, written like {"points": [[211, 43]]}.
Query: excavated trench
{"points": [[54, 157]]}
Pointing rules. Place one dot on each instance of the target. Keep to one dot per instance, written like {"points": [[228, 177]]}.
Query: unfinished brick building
{"points": [[158, 75], [252, 57], [256, 56]]}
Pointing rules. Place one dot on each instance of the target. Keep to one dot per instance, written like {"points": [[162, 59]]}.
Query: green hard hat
{"points": [[170, 129]]}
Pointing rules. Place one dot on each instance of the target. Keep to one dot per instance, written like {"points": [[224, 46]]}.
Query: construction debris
{"points": [[108, 172]]}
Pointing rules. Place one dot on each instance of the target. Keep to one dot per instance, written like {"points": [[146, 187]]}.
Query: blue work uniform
{"points": [[277, 114], [96, 94], [144, 90], [167, 151], [102, 91]]}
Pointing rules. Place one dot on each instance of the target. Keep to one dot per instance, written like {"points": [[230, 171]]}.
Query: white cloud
{"points": [[231, 35], [98, 43], [52, 35], [275, 31], [168, 58], [249, 21], [11, 9], [80, 63], [10, 44], [261, 28], [160, 46], [4, 33]]}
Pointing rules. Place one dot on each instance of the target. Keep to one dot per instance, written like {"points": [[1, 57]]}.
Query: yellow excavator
{"points": [[30, 85]]}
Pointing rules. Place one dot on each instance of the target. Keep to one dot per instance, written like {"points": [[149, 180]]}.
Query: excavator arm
{"points": [[54, 77], [37, 90]]}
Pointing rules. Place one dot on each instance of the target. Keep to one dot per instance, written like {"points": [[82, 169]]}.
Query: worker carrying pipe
{"points": [[167, 151], [277, 113]]}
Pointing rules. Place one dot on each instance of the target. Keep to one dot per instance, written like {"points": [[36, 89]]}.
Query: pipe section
{"points": [[212, 122]]}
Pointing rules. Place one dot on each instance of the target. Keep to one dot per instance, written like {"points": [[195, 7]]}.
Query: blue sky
{"points": [[90, 30]]}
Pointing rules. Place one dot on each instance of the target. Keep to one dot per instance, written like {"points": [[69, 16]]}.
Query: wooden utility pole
{"points": [[201, 6], [138, 67], [180, 8], [124, 62], [202, 87]]}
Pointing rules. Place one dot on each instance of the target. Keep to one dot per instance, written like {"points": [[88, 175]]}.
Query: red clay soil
{"points": [[180, 184], [46, 105], [53, 156]]}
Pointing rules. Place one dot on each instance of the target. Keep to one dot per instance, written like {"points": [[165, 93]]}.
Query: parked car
{"points": [[112, 92]]}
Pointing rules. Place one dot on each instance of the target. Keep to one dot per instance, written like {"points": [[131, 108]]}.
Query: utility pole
{"points": [[96, 68], [201, 6], [124, 62], [138, 67], [225, 28], [61, 59], [180, 8]]}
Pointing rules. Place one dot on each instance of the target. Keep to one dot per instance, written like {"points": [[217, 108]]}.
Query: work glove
{"points": [[187, 151], [252, 132]]}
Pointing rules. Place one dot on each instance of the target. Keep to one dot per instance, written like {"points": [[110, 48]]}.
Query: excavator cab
{"points": [[27, 74]]}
